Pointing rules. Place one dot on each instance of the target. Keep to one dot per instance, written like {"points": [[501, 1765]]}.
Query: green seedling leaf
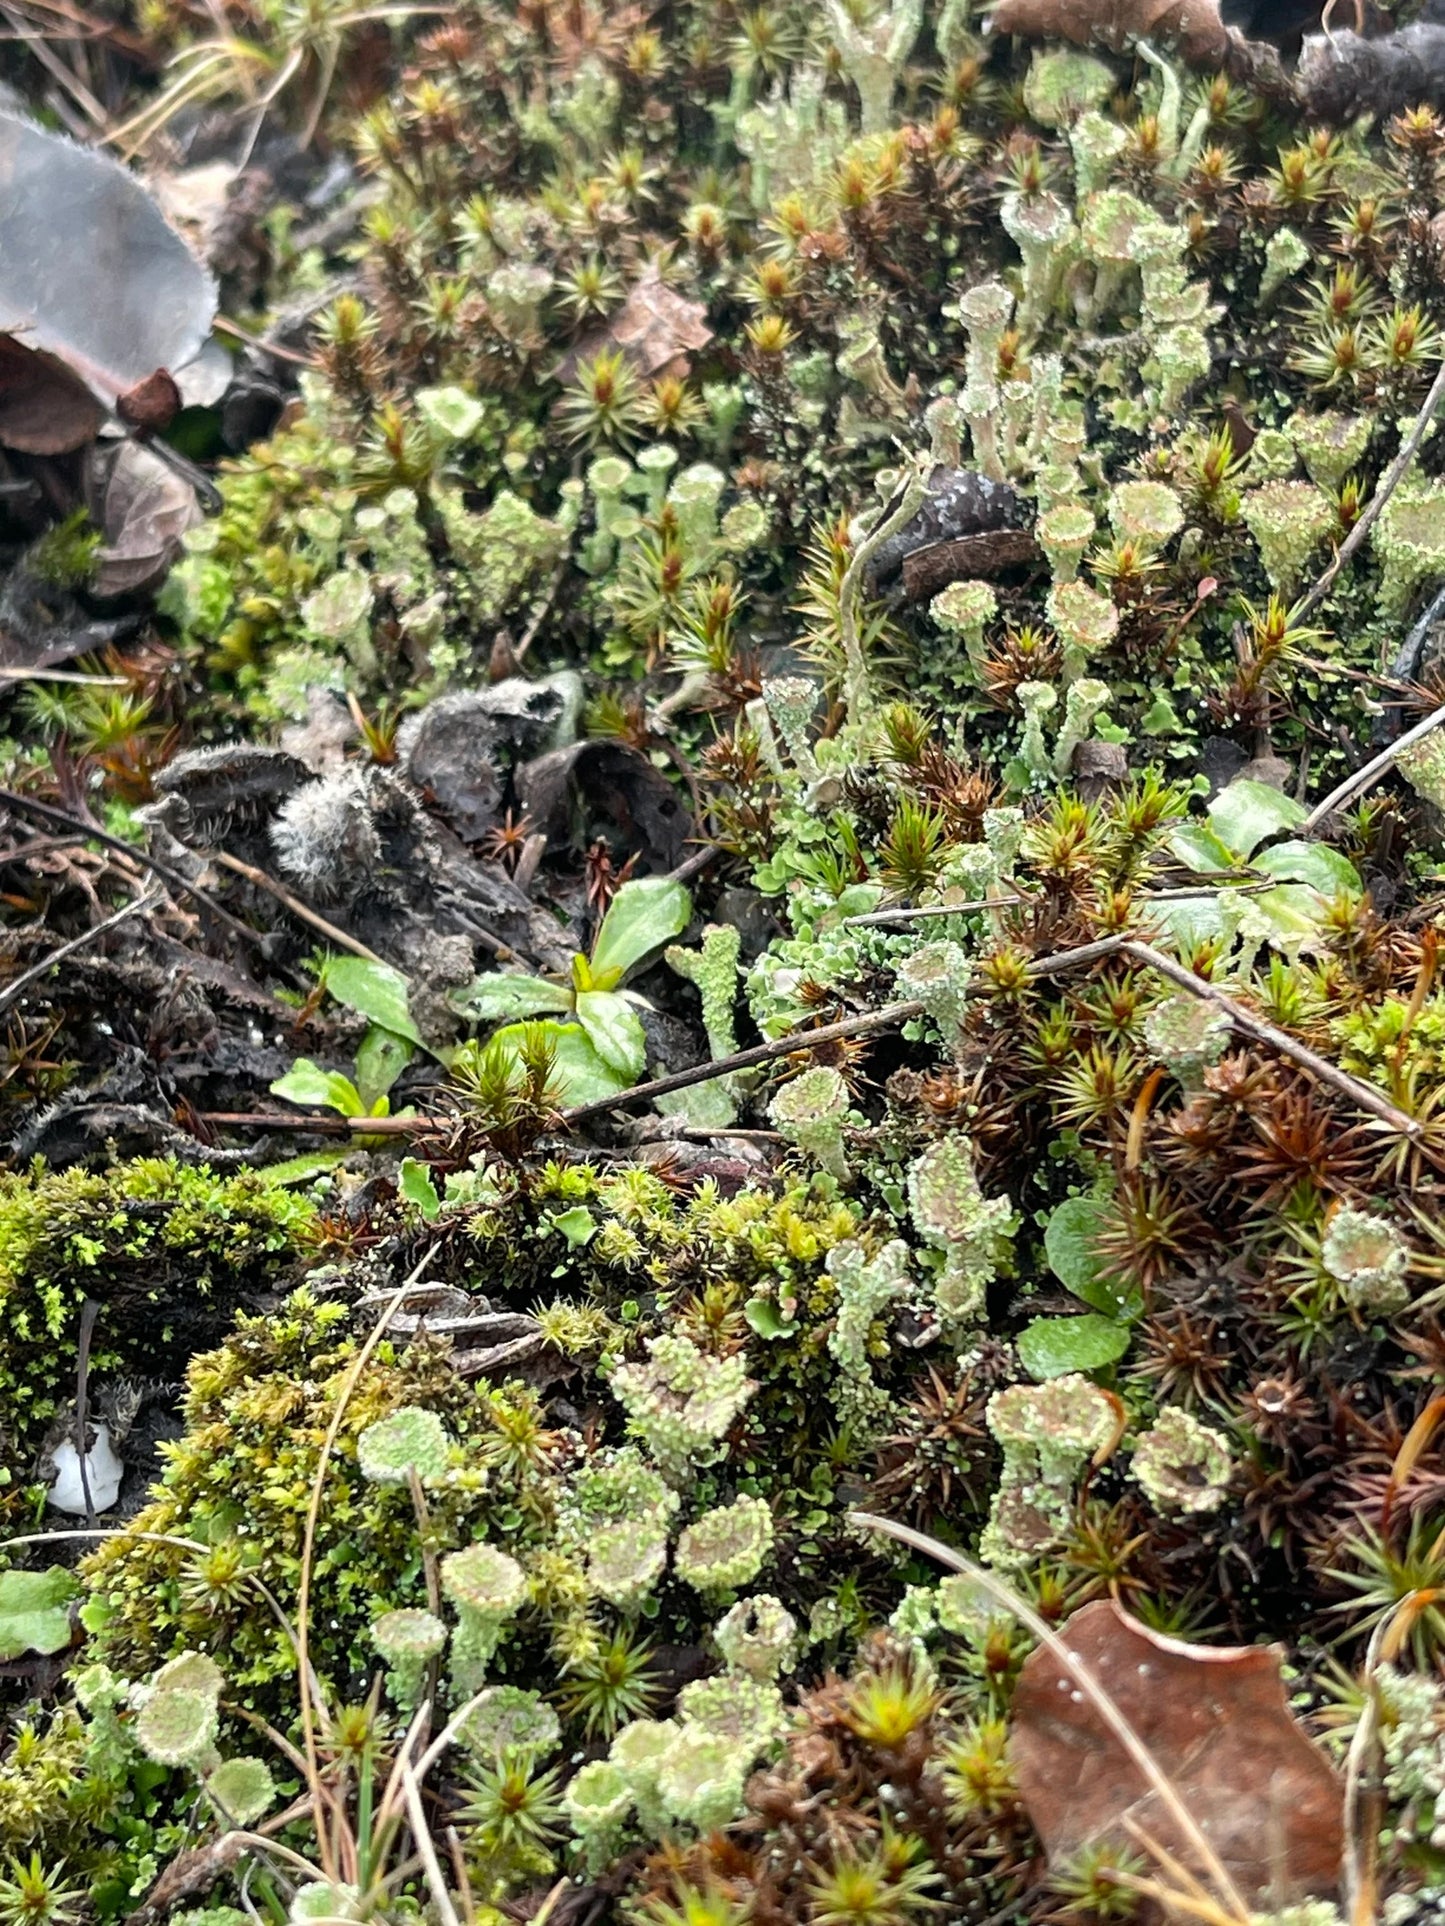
{"points": [[504, 999], [766, 1319], [379, 1062], [1071, 1244], [614, 1031], [1051, 1347], [644, 915], [1198, 848], [33, 1611], [579, 1075], [1245, 813], [417, 1188], [301, 1170], [1323, 868], [375, 991], [577, 1225], [307, 1083]]}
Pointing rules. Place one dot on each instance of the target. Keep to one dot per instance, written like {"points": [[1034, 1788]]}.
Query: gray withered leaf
{"points": [[92, 279]]}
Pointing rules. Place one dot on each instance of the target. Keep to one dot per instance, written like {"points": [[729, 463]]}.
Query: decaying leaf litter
{"points": [[722, 813]]}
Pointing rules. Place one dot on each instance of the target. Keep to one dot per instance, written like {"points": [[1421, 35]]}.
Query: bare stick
{"points": [[1359, 1094], [295, 905], [1367, 777], [421, 1835], [897, 515], [12, 990], [310, 1708], [1389, 482], [856, 1026], [48, 813], [1149, 1768]]}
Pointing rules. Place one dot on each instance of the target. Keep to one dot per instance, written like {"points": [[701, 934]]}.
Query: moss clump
{"points": [[167, 1252]]}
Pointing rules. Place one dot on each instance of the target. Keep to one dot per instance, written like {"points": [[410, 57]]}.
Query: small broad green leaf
{"points": [[417, 1188], [579, 1075], [1161, 718], [301, 1170], [374, 990], [577, 1225], [379, 1062], [1051, 1347], [1288, 917], [33, 1611], [1323, 868], [615, 1032], [307, 1083], [766, 1319], [1198, 848], [1071, 1244], [1245, 813], [503, 999], [644, 914]]}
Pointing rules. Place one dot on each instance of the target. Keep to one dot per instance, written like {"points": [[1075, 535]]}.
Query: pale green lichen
{"points": [[681, 1402], [792, 702], [410, 1440], [965, 609], [1182, 1464], [1330, 444], [1084, 702], [1289, 520], [1145, 512], [809, 1110], [1064, 533], [1048, 1432], [1084, 621], [408, 1639], [758, 1637], [726, 1547], [1368, 1258], [1036, 699], [624, 1561], [866, 1286], [1409, 538], [938, 976], [488, 1588], [1187, 1034], [951, 1213]]}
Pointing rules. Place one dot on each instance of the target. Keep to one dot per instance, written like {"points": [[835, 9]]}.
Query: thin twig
{"points": [[1353, 1885], [1371, 773], [293, 903], [1360, 1094], [47, 812], [13, 674], [1149, 1768], [89, 1312], [13, 989], [1389, 482], [745, 1059], [420, 1832], [310, 1708]]}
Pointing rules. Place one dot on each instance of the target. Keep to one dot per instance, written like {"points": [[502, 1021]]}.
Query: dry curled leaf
{"points": [[655, 328], [97, 293], [144, 508], [1193, 25], [1217, 1723]]}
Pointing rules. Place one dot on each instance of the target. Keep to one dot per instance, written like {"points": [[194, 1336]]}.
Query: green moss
{"points": [[166, 1251]]}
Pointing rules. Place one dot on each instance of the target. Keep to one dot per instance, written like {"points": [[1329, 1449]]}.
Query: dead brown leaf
{"points": [[655, 328], [1193, 25], [144, 508], [1217, 1723], [44, 408], [97, 292]]}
